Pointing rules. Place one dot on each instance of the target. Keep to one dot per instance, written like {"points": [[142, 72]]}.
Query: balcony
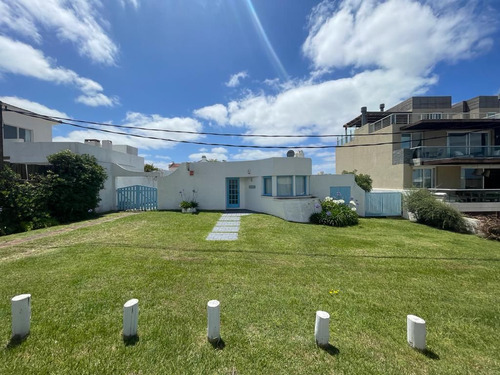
{"points": [[456, 152]]}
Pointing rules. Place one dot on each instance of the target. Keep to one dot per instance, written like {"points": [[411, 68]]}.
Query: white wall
{"points": [[42, 129], [37, 152], [209, 182], [320, 187]]}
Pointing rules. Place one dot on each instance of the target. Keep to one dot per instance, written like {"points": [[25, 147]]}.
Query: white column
{"points": [[321, 328], [21, 315], [213, 317], [130, 317], [415, 332]]}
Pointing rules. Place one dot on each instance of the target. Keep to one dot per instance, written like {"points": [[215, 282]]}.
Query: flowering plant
{"points": [[335, 212], [188, 203]]}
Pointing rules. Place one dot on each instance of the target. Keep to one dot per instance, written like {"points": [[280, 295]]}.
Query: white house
{"points": [[283, 187]]}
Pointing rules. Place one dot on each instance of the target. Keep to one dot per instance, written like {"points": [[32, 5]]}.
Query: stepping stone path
{"points": [[227, 228]]}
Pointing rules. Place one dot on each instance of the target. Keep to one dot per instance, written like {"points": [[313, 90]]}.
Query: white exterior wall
{"points": [[37, 152], [320, 187], [42, 129], [209, 182]]}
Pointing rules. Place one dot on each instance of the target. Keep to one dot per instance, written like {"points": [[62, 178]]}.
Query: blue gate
{"points": [[383, 204], [137, 197]]}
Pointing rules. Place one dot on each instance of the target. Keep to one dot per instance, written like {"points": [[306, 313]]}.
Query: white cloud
{"points": [[217, 113], [402, 35], [392, 59], [32, 106], [98, 99], [75, 21], [234, 80], [22, 59], [147, 141], [216, 153], [253, 154]]}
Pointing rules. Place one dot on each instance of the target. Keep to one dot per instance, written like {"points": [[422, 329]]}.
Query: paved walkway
{"points": [[227, 228]]}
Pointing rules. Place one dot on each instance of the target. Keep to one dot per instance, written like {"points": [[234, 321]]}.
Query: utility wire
{"points": [[220, 144]]}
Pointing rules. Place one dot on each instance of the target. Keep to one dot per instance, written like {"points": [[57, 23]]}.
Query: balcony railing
{"points": [[468, 195], [459, 152], [410, 118]]}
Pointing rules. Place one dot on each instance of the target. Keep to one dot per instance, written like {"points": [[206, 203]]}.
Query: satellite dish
{"points": [[290, 154]]}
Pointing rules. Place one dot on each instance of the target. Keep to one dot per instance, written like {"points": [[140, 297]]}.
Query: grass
{"points": [[270, 283]]}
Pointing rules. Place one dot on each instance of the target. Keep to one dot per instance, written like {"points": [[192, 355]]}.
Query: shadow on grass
{"points": [[430, 354], [15, 341], [130, 340], [218, 344], [330, 349]]}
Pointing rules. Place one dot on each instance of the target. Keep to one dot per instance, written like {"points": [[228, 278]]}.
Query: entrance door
{"points": [[232, 192]]}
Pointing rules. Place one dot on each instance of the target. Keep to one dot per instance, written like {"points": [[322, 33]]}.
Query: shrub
{"points": [[22, 203], [335, 213], [429, 211], [364, 181], [74, 184]]}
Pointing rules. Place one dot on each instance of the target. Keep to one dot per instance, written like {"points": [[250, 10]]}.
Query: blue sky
{"points": [[275, 67]]}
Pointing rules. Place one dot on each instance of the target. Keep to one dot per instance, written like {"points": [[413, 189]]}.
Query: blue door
{"points": [[232, 192], [341, 192]]}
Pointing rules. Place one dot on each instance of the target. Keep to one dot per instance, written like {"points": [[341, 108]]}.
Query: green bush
{"points": [[23, 204], [364, 181], [335, 213], [74, 184], [429, 211]]}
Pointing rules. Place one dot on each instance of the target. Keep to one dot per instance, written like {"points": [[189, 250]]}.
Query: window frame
{"points": [[264, 190], [304, 182], [278, 186]]}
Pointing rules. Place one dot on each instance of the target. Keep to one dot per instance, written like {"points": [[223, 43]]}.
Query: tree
{"points": [[364, 181], [22, 203], [73, 183], [149, 167]]}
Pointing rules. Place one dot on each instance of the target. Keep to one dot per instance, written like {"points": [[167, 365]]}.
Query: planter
{"points": [[190, 210]]}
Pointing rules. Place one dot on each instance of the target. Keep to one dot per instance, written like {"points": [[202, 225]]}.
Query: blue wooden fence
{"points": [[383, 204], [137, 197]]}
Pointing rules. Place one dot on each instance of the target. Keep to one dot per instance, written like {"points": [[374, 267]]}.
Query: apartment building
{"points": [[428, 142]]}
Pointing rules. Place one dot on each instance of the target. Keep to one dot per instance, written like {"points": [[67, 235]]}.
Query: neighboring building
{"points": [[427, 142], [28, 142]]}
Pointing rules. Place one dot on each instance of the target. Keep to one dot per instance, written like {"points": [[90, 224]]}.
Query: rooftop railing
{"points": [[410, 118]]}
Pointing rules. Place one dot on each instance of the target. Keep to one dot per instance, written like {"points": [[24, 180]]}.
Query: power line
{"points": [[31, 114]]}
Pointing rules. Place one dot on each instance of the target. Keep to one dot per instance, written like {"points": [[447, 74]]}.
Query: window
{"points": [[267, 186], [285, 186], [472, 178], [423, 178], [468, 143], [411, 140], [11, 132], [300, 185]]}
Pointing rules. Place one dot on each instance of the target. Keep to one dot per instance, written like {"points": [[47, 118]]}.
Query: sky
{"points": [[301, 68]]}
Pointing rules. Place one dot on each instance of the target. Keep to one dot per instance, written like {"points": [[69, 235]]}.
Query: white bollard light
{"points": [[415, 332], [321, 328], [130, 317], [213, 317], [21, 315]]}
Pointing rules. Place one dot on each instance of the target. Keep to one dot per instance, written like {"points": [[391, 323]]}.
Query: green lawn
{"points": [[270, 283]]}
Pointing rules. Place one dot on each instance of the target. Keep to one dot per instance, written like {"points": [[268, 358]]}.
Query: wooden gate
{"points": [[137, 197]]}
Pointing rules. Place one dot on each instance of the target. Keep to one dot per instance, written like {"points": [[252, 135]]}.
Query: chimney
{"points": [[382, 106], [364, 117]]}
